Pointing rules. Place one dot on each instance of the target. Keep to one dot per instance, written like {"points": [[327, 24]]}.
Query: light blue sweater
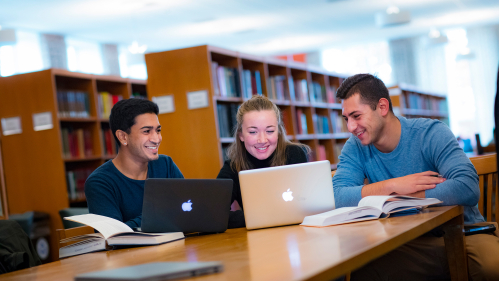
{"points": [[425, 145]]}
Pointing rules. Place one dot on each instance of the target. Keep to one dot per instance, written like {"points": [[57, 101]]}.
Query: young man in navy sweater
{"points": [[407, 156], [116, 189]]}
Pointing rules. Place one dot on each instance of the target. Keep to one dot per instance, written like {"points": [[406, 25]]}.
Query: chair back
{"points": [[72, 232], [486, 168]]}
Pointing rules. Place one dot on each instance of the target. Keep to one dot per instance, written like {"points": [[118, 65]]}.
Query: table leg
{"points": [[456, 248]]}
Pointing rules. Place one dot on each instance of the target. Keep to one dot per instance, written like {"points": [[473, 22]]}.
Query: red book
{"points": [[87, 136], [321, 153], [109, 148], [298, 119], [116, 99]]}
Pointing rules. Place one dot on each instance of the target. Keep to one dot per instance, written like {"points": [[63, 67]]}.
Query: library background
{"points": [[57, 91]]}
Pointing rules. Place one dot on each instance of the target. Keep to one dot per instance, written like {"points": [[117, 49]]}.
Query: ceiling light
{"points": [[136, 49], [434, 33], [392, 10], [465, 54], [392, 16], [436, 38]]}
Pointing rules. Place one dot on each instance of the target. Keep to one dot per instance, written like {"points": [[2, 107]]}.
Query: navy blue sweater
{"points": [[112, 194]]}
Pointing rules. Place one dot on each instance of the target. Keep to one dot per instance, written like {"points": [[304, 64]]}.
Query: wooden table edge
{"points": [[345, 267]]}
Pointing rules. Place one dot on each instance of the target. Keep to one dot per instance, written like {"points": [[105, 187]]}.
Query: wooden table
{"points": [[280, 253]]}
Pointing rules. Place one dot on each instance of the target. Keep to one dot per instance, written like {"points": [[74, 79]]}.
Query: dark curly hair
{"points": [[370, 88], [124, 112]]}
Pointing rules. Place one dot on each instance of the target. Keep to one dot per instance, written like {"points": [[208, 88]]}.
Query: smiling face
{"points": [[259, 133], [145, 137], [362, 121]]}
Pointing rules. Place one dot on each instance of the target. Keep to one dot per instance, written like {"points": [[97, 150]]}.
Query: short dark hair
{"points": [[370, 88], [124, 112]]}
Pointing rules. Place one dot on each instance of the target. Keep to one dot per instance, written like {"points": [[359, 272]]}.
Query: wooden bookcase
{"points": [[35, 163], [192, 137], [411, 102], [3, 194]]}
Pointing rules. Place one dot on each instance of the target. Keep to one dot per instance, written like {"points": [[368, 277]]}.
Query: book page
{"points": [[105, 225], [388, 203], [375, 201]]}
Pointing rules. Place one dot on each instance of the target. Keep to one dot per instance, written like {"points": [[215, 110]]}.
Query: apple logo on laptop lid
{"points": [[287, 195], [187, 206]]}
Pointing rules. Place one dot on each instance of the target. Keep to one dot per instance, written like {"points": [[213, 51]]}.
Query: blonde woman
{"points": [[260, 142]]}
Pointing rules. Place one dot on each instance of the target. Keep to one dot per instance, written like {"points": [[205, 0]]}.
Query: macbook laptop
{"points": [[285, 195], [187, 205]]}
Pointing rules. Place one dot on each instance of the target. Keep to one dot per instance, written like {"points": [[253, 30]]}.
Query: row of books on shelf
{"points": [[338, 123], [417, 101], [301, 118], [74, 104], [77, 143], [252, 83], [106, 101], [277, 88], [315, 92], [226, 80], [138, 95], [76, 183], [319, 93], [110, 147], [322, 124], [226, 118]]}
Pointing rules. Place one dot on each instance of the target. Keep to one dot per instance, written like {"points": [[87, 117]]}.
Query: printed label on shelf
{"points": [[11, 126], [42, 121], [165, 104], [197, 99]]}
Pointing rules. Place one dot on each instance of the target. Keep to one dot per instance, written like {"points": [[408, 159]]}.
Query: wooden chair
{"points": [[486, 167], [71, 232]]}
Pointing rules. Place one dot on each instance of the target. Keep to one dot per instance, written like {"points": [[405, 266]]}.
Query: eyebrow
{"points": [[150, 127], [254, 127], [351, 113]]}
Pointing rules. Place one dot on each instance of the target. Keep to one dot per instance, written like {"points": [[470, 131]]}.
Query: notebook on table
{"points": [[186, 205], [285, 195], [153, 271]]}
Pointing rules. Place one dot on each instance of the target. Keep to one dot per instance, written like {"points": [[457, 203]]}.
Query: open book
{"points": [[112, 233], [370, 208]]}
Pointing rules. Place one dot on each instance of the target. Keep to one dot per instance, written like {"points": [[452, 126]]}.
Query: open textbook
{"points": [[370, 208], [112, 233]]}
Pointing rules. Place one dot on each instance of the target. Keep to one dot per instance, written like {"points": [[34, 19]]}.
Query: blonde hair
{"points": [[237, 150]]}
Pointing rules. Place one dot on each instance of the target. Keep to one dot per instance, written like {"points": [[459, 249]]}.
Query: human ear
{"points": [[241, 138], [122, 136], [384, 106]]}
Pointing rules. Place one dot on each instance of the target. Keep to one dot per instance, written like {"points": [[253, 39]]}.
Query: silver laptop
{"points": [[285, 195]]}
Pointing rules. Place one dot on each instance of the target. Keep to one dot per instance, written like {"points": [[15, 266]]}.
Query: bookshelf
{"points": [[45, 170], [412, 102], [4, 214], [197, 139]]}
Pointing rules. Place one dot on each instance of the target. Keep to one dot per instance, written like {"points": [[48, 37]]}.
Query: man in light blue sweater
{"points": [[405, 156]]}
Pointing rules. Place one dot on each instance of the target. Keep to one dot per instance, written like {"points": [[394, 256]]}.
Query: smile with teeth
{"points": [[152, 147], [360, 133], [262, 148]]}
